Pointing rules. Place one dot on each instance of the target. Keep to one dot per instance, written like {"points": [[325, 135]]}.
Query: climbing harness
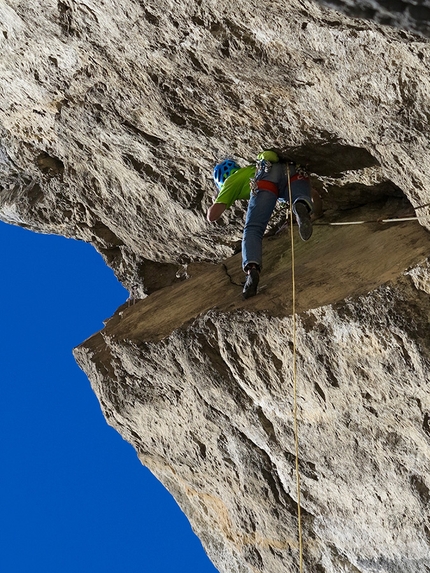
{"points": [[262, 167], [296, 433], [266, 186]]}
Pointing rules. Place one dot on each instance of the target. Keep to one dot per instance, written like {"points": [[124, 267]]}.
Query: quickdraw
{"points": [[263, 166]]}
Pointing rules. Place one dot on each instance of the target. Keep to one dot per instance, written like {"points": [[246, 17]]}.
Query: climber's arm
{"points": [[235, 187], [215, 211]]}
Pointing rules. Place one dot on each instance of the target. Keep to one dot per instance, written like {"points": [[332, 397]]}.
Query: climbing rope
{"points": [[338, 224], [296, 433], [395, 220], [293, 283]]}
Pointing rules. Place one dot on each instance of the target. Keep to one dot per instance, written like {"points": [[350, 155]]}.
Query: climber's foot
{"points": [[303, 218], [251, 283]]}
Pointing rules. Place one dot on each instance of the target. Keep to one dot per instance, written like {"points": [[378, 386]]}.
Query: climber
{"points": [[264, 184]]}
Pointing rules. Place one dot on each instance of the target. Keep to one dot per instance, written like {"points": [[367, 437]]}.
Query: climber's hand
{"points": [[215, 211]]}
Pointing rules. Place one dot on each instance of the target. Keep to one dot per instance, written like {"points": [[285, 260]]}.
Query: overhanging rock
{"points": [[201, 384], [109, 129]]}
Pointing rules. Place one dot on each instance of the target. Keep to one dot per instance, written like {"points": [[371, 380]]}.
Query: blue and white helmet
{"points": [[224, 170]]}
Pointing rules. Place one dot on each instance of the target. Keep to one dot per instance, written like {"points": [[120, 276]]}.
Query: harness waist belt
{"points": [[268, 186]]}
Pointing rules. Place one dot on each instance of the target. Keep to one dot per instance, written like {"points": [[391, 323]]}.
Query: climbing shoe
{"points": [[303, 218], [251, 283]]}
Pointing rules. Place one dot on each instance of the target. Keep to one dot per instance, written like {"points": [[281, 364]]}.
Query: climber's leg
{"points": [[260, 208]]}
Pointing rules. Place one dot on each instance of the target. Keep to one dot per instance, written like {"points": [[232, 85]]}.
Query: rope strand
{"points": [[296, 433], [336, 224]]}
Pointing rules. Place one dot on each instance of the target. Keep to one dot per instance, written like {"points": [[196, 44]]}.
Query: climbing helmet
{"points": [[223, 170]]}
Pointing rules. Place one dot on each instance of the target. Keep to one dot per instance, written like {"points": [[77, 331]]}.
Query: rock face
{"points": [[111, 119], [207, 403], [411, 15], [209, 410]]}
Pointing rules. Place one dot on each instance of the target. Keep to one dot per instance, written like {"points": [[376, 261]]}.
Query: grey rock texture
{"points": [[203, 389], [413, 15], [111, 118]]}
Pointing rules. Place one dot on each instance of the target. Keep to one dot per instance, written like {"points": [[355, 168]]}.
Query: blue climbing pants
{"points": [[262, 203]]}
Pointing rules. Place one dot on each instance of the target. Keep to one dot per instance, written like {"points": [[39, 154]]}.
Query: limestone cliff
{"points": [[111, 118], [411, 15]]}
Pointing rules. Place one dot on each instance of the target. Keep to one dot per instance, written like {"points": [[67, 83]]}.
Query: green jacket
{"points": [[236, 186]]}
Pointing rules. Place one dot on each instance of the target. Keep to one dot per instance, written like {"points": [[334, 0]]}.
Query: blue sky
{"points": [[73, 495]]}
